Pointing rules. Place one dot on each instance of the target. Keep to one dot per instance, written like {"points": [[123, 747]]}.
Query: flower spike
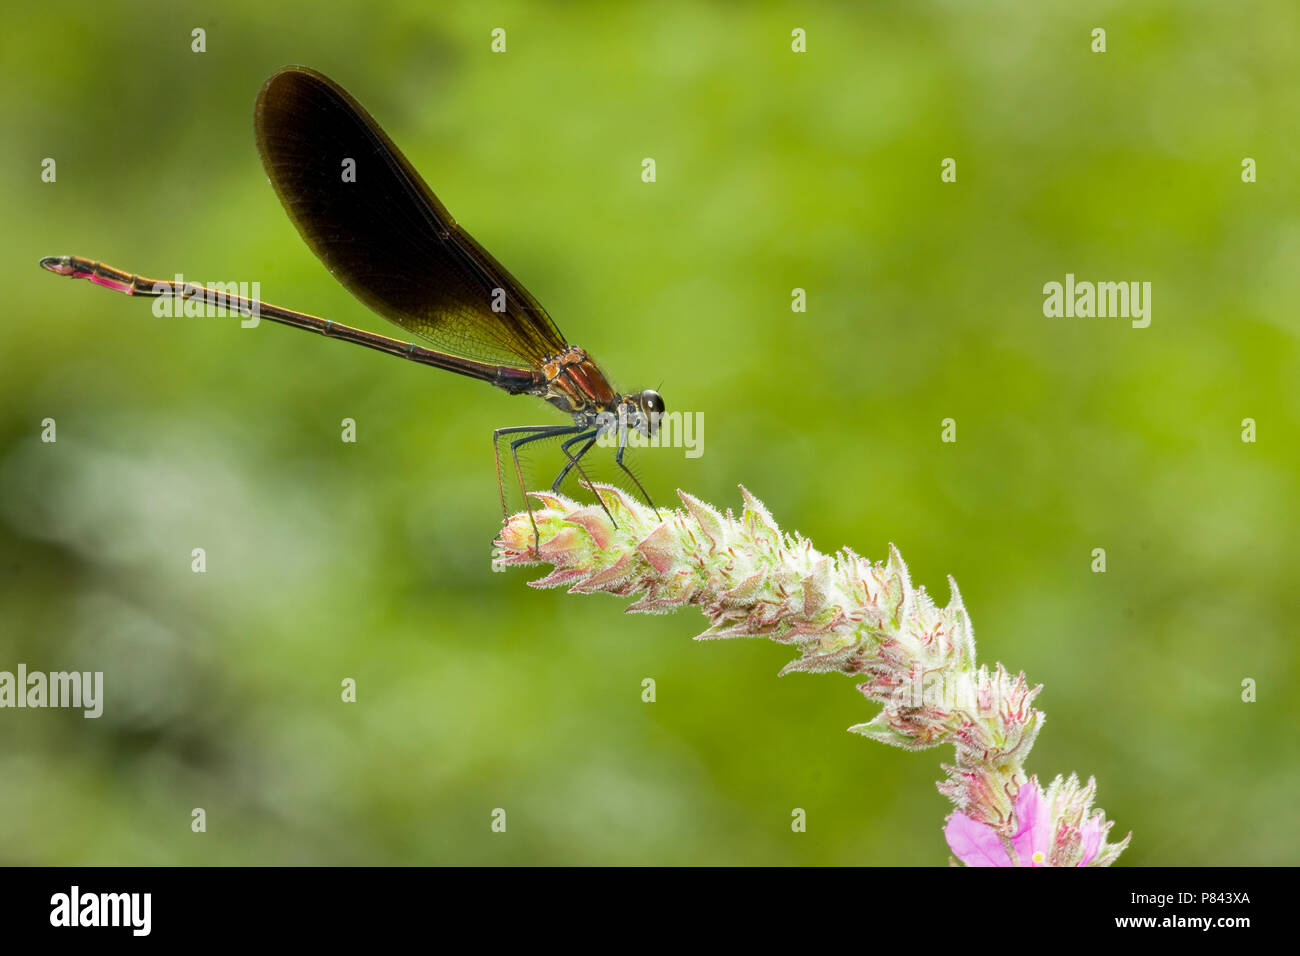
{"points": [[845, 614]]}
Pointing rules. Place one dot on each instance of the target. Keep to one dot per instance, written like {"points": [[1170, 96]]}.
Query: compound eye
{"points": [[651, 402]]}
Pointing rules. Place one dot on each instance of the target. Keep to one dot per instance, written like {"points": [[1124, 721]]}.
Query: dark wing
{"points": [[386, 236]]}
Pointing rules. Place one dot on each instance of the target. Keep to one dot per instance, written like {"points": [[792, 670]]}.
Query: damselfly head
{"points": [[646, 408]]}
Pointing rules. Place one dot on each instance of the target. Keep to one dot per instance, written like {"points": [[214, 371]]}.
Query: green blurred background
{"points": [[775, 170]]}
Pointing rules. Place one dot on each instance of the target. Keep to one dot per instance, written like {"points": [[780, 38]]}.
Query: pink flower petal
{"points": [[1090, 837], [975, 843], [1034, 835]]}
